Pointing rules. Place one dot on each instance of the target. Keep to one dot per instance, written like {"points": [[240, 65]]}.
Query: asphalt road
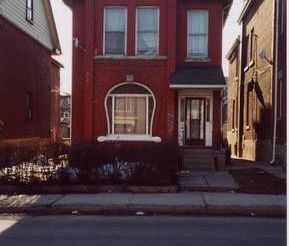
{"points": [[141, 231]]}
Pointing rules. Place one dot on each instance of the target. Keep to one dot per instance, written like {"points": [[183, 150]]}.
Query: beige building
{"points": [[256, 126]]}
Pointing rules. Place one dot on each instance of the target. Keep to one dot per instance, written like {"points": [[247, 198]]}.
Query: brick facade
{"points": [[94, 74], [252, 90], [28, 76]]}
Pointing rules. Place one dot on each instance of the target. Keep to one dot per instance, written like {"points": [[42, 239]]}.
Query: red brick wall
{"points": [[92, 78], [215, 32], [25, 66]]}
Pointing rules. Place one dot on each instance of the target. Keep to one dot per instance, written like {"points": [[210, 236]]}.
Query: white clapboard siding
{"points": [[15, 12]]}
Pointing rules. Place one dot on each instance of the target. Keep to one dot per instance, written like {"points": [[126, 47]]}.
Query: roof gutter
{"points": [[244, 11], [276, 16]]}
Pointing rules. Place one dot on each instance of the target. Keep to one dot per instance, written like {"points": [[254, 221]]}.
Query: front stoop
{"points": [[196, 160]]}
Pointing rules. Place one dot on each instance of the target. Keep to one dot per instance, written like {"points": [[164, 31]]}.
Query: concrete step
{"points": [[202, 151], [199, 169], [196, 161]]}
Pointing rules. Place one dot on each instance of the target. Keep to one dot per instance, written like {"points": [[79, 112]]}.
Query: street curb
{"points": [[130, 209]]}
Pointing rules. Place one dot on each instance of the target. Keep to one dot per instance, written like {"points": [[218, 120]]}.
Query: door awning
{"points": [[212, 78]]}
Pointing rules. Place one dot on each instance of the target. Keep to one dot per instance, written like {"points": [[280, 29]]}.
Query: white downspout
{"points": [[272, 162]]}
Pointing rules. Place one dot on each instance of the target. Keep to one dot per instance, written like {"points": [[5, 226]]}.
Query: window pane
{"points": [[147, 19], [147, 30], [130, 115], [198, 22], [114, 43], [114, 30], [29, 4], [147, 43], [197, 45], [198, 33]]}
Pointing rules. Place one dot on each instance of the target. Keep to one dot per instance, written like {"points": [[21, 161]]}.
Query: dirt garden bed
{"points": [[258, 181]]}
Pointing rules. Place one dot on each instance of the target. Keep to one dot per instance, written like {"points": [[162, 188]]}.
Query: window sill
{"points": [[125, 57], [192, 59], [129, 137]]}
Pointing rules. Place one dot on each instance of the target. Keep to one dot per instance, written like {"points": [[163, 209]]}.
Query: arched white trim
{"points": [[130, 137]]}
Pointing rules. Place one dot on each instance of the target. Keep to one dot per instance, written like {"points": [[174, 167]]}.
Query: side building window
{"points": [[197, 38], [249, 103], [28, 105], [29, 11], [130, 109], [115, 22], [147, 30], [252, 45]]}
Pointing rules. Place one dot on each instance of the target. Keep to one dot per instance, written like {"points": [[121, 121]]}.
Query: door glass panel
{"points": [[202, 114], [195, 121], [188, 119]]}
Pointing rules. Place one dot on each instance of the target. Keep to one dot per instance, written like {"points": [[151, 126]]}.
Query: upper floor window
{"points": [[197, 38], [147, 30], [115, 30], [29, 10]]}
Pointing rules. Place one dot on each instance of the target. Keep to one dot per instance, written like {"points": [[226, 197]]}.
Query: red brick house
{"points": [[148, 70], [29, 77], [257, 83]]}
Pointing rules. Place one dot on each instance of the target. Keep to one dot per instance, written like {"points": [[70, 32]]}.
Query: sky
{"points": [[63, 19]]}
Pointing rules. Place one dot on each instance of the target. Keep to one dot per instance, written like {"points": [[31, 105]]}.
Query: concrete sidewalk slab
{"points": [[92, 199], [24, 203], [221, 180], [28, 200], [207, 181], [191, 203], [245, 203]]}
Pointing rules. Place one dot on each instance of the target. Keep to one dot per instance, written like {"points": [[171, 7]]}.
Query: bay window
{"points": [[147, 30], [115, 30], [197, 38]]}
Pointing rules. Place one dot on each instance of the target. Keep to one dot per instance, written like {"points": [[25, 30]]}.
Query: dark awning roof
{"points": [[198, 78]]}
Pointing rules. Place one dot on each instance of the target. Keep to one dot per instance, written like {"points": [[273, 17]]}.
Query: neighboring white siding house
{"points": [[43, 28]]}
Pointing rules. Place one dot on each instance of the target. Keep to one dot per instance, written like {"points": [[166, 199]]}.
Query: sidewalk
{"points": [[190, 203]]}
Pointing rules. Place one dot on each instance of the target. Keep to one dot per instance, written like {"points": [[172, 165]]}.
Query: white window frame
{"points": [[158, 29], [190, 57], [146, 96], [125, 30], [130, 137]]}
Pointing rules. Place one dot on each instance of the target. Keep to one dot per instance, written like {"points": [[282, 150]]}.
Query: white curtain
{"points": [[198, 33], [114, 30], [147, 30]]}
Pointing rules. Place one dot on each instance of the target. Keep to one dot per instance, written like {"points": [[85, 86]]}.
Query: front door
{"points": [[195, 121]]}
